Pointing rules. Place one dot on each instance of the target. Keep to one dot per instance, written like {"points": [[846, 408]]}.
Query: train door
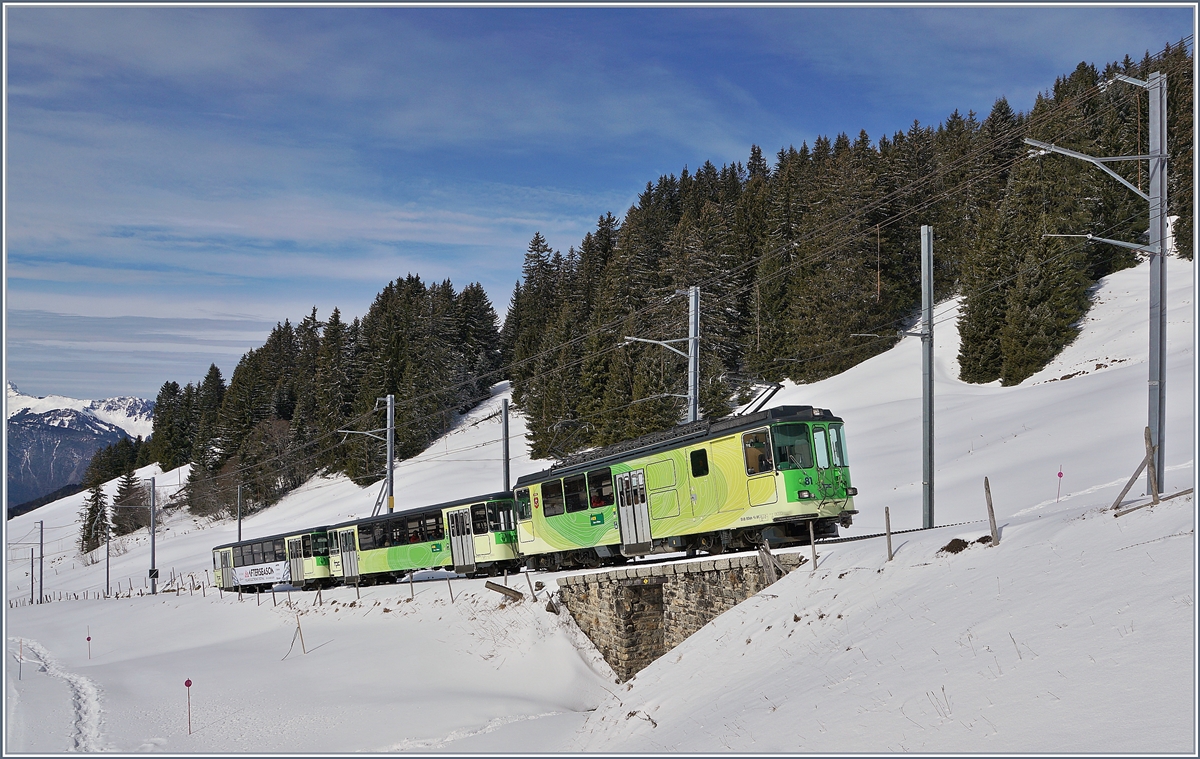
{"points": [[226, 567], [295, 552], [760, 468], [349, 555], [462, 542], [633, 512]]}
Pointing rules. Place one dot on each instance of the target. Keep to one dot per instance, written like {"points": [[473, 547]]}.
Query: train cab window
{"points": [[757, 447], [500, 516], [822, 451], [552, 498], [524, 509], [699, 462], [600, 488], [575, 493], [793, 450], [320, 544], [306, 546], [837, 445], [434, 529], [479, 520]]}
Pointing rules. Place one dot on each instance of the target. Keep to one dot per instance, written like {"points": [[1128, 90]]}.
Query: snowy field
{"points": [[1077, 633]]}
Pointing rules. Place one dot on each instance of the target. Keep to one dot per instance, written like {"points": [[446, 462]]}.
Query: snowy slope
{"points": [[1076, 633]]}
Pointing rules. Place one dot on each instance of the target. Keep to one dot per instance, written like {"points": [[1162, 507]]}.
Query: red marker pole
{"points": [[188, 684], [1059, 484]]}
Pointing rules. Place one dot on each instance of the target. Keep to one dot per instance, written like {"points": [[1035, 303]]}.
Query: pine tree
{"points": [[94, 528]]}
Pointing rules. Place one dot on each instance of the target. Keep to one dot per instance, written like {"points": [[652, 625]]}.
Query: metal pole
{"points": [[153, 530], [41, 560], [239, 513], [107, 564], [31, 585], [927, 374], [504, 441], [391, 412], [693, 353], [1157, 87]]}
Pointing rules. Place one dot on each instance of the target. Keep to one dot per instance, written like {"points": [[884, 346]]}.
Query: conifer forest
{"points": [[808, 262]]}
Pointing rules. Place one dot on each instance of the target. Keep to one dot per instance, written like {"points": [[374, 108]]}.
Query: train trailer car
{"points": [[469, 535], [300, 558], [730, 483]]}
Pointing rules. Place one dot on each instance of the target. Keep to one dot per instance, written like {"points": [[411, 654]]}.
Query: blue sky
{"points": [[181, 178]]}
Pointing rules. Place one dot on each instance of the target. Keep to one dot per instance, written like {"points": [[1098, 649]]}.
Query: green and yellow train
{"points": [[777, 477]]}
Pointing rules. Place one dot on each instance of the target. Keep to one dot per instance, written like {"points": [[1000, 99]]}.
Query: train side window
{"points": [[237, 556], [500, 516], [320, 544], [306, 546], [600, 488], [366, 537], [524, 509], [415, 533], [280, 550], [256, 556], [699, 462], [837, 445], [434, 529], [552, 498], [335, 547], [479, 520], [575, 493], [757, 448], [820, 444]]}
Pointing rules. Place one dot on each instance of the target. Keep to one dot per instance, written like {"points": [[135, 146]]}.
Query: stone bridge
{"points": [[634, 615]]}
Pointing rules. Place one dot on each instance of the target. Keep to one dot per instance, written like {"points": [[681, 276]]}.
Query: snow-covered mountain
{"points": [[133, 415], [52, 439]]}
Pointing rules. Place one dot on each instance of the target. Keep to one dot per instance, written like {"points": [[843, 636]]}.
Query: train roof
{"points": [[261, 538], [684, 434], [499, 495]]}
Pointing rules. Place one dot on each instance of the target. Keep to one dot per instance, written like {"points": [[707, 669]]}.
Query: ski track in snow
{"points": [[457, 735], [84, 693]]}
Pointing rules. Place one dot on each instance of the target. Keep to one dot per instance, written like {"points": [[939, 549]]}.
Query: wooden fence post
{"points": [[887, 523], [987, 492]]}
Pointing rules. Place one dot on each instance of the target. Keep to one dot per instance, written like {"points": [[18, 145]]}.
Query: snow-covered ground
{"points": [[1075, 634]]}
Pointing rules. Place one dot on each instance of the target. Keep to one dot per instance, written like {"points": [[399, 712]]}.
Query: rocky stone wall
{"points": [[635, 615]]}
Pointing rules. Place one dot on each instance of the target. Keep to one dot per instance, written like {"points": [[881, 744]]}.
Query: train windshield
{"points": [[837, 445], [793, 448]]}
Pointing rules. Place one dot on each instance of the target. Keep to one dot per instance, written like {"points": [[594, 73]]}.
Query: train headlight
{"points": [[851, 491], [805, 494]]}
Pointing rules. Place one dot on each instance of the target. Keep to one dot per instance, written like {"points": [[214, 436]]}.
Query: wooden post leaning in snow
{"points": [[532, 592], [515, 595], [887, 526], [411, 594], [1149, 460], [1150, 451], [987, 492], [767, 562], [451, 589], [300, 630]]}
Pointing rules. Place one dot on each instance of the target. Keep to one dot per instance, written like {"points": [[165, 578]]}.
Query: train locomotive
{"points": [[778, 477]]}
